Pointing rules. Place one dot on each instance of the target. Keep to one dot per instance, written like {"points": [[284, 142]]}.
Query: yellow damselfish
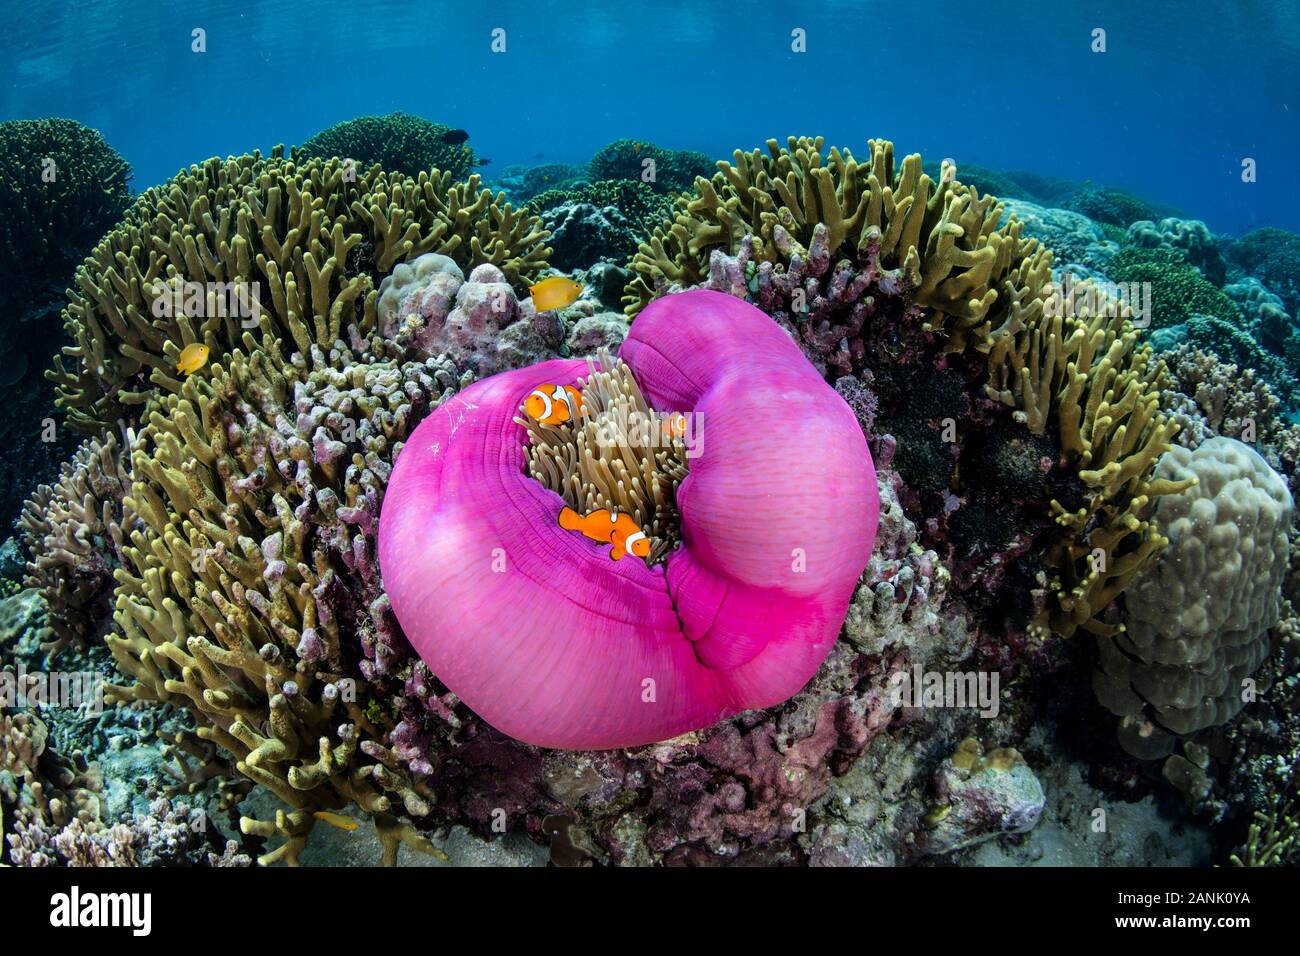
{"points": [[554, 293], [192, 358]]}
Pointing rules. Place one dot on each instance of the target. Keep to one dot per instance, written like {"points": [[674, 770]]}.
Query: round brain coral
{"points": [[553, 643]]}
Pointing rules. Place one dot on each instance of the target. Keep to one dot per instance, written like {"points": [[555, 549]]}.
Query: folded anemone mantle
{"points": [[554, 643]]}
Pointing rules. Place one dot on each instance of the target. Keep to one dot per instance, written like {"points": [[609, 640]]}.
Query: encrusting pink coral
{"points": [[550, 641]]}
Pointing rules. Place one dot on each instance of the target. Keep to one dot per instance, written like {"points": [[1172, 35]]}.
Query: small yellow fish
{"points": [[336, 820], [554, 293], [192, 358]]}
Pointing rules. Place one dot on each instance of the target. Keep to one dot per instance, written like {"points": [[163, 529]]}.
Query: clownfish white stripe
{"points": [[545, 398], [565, 397]]}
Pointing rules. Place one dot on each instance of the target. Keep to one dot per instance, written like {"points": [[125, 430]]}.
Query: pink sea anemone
{"points": [[553, 643]]}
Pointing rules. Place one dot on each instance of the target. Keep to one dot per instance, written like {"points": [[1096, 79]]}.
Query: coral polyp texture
{"points": [[1198, 620], [398, 142], [61, 188], [880, 271], [554, 643], [292, 251], [666, 170]]}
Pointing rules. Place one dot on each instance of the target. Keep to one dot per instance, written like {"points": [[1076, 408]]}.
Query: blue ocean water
{"points": [[1185, 91]]}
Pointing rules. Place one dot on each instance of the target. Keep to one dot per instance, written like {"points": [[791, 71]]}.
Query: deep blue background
{"points": [[1185, 91]]}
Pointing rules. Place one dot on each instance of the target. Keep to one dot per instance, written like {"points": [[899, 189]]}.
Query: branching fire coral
{"points": [[251, 595], [290, 249], [868, 265], [945, 237]]}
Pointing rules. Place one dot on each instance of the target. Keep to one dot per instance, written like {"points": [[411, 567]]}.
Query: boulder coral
{"points": [[1198, 620], [674, 169], [477, 323], [552, 642]]}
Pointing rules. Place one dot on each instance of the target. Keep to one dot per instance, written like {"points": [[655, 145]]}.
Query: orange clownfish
{"points": [[553, 405], [674, 426], [619, 530]]}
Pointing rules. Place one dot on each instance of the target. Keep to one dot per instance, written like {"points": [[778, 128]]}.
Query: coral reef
{"points": [[1188, 237], [1232, 342], [399, 142], [1079, 245], [896, 605], [1266, 318], [1273, 256], [477, 323], [1108, 205], [549, 176], [1178, 289], [602, 220], [1198, 620], [238, 534], [40, 791], [61, 188], [582, 234], [979, 796], [251, 597], [76, 531], [290, 251], [882, 270], [674, 170], [168, 835], [1209, 396], [636, 200]]}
